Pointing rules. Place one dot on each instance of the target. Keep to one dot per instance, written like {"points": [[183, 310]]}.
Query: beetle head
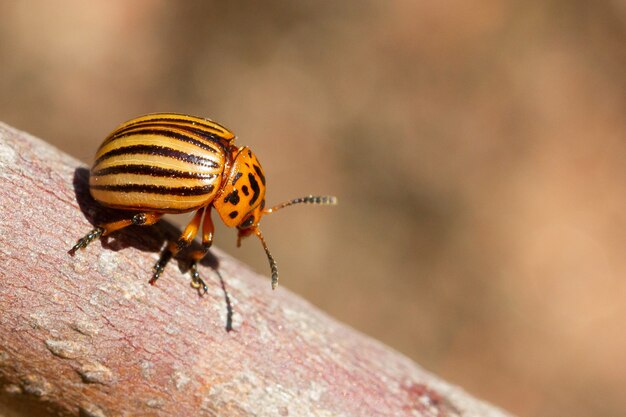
{"points": [[241, 202]]}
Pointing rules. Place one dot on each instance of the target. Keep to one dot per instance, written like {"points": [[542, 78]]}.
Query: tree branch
{"points": [[87, 335]]}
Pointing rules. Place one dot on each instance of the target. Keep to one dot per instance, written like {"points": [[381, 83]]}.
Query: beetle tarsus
{"points": [[160, 266], [87, 239], [155, 276], [197, 282]]}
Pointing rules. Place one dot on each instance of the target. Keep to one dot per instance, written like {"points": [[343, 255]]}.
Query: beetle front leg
{"points": [[173, 248], [139, 219]]}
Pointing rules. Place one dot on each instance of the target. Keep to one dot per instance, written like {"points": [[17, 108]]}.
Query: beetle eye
{"points": [[247, 223]]}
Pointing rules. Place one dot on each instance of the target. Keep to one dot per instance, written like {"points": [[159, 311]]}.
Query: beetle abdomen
{"points": [[166, 163]]}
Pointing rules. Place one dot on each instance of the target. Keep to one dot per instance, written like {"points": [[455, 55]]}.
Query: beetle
{"points": [[164, 163]]}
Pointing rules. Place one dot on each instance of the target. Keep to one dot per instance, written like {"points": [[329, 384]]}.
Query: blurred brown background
{"points": [[478, 150]]}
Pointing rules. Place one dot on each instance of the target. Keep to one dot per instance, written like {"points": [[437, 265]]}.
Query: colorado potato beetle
{"points": [[172, 163]]}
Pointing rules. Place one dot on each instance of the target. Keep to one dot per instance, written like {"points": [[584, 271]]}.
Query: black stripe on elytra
{"points": [[152, 171], [155, 189], [255, 188], [213, 137], [160, 151], [154, 130], [196, 121], [259, 173], [148, 208], [233, 214], [245, 190]]}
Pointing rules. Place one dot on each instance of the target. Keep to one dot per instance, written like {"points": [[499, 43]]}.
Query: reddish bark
{"points": [[86, 335]]}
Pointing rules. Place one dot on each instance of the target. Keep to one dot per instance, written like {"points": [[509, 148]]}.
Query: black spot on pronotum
{"points": [[249, 153], [259, 173], [255, 188], [232, 198], [245, 190], [237, 176], [247, 223], [233, 214]]}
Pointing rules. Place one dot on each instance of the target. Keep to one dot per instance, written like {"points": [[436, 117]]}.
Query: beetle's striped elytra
{"points": [[172, 163]]}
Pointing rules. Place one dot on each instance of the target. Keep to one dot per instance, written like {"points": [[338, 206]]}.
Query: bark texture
{"points": [[88, 336]]}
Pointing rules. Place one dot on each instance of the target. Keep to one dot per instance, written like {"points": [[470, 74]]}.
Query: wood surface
{"points": [[88, 336]]}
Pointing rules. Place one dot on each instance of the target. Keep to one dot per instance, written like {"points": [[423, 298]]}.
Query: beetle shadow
{"points": [[145, 238], [150, 240]]}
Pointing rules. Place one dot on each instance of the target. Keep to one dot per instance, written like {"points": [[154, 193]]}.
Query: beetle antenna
{"points": [[327, 200], [270, 258]]}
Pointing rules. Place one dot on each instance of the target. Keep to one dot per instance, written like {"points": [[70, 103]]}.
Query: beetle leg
{"points": [[173, 248], [197, 255], [87, 239], [139, 219]]}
